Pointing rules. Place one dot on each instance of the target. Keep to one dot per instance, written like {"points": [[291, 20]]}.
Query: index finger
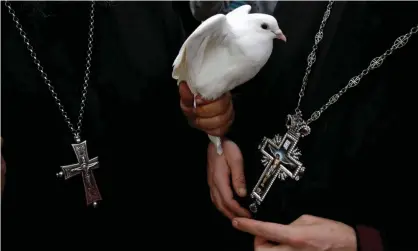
{"points": [[270, 231], [224, 188]]}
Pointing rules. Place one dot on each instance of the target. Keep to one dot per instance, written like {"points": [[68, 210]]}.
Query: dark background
{"points": [[189, 23]]}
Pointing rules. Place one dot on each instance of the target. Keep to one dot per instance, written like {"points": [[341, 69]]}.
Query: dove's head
{"points": [[266, 25]]}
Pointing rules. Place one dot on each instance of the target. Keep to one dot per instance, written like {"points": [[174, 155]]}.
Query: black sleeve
{"points": [[384, 186], [368, 238], [248, 103], [174, 28]]}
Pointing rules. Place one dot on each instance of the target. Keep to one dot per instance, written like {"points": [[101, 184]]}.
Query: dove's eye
{"points": [[264, 26]]}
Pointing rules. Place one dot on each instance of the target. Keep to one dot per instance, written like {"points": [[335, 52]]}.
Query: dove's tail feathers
{"points": [[218, 144]]}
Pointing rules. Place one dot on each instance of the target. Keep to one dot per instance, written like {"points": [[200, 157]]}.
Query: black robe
{"points": [[359, 156], [152, 164]]}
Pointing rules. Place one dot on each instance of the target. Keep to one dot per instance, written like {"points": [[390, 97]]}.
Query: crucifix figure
{"points": [[85, 167], [280, 157]]}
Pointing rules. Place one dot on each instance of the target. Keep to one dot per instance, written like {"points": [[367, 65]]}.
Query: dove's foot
{"points": [[218, 144], [194, 102], [219, 149]]}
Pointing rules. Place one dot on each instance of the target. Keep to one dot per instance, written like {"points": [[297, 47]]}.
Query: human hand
{"points": [[307, 233], [221, 169], [213, 117]]}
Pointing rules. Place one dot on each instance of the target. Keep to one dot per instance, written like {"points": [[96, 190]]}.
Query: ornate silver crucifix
{"points": [[85, 167], [280, 157]]}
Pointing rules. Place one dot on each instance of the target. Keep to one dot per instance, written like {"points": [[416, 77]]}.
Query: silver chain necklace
{"points": [[85, 166], [280, 156]]}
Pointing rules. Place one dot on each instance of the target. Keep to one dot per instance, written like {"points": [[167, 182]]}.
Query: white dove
{"points": [[224, 52]]}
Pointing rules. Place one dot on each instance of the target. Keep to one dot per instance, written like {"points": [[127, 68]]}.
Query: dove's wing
{"points": [[202, 41], [240, 11]]}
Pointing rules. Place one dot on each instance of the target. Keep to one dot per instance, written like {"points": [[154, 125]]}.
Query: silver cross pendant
{"points": [[85, 167], [280, 158]]}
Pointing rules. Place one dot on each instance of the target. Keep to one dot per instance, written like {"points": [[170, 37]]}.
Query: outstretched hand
{"points": [[304, 234]]}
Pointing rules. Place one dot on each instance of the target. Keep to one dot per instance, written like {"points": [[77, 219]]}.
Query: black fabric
{"points": [[358, 156], [189, 22], [152, 163]]}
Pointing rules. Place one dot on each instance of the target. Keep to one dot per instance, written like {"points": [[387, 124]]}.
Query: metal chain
{"points": [[74, 131], [354, 81], [312, 56]]}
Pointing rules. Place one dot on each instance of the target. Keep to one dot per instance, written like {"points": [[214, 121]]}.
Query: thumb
{"points": [[236, 164]]}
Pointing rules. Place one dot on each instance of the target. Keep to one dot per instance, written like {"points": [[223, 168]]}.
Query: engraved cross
{"points": [[280, 159], [85, 167]]}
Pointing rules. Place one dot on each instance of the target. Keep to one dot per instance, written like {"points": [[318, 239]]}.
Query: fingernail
{"points": [[242, 191], [235, 223]]}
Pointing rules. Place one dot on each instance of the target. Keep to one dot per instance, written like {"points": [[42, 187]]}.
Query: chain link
{"points": [[312, 56], [74, 130], [354, 81]]}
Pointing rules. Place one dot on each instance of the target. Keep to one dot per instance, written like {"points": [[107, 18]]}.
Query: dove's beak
{"points": [[280, 36]]}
